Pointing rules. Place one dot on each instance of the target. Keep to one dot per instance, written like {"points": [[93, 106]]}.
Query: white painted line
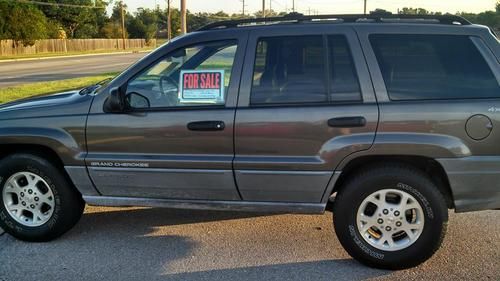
{"points": [[72, 56]]}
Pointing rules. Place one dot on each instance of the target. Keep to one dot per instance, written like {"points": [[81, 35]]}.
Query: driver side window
{"points": [[192, 76]]}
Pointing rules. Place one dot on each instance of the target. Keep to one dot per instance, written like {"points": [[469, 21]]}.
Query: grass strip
{"points": [[39, 88]]}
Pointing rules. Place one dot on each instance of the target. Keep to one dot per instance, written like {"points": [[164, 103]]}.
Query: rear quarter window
{"points": [[428, 67]]}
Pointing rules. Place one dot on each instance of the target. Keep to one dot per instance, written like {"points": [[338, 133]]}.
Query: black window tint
{"points": [[416, 67], [289, 70], [344, 84]]}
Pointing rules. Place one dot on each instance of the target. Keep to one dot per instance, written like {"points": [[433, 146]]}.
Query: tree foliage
{"points": [[22, 23], [143, 25], [488, 18], [26, 23]]}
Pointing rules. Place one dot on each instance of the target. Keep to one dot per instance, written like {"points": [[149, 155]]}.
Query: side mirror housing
{"points": [[115, 103]]}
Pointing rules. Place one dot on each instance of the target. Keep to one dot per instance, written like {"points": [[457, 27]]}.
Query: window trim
{"points": [[392, 100], [354, 68], [236, 42], [328, 66]]}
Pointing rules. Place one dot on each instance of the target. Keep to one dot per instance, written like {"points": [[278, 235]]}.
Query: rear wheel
{"points": [[391, 217], [37, 202]]}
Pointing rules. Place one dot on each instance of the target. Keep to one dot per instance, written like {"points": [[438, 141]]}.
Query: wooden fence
{"points": [[9, 48]]}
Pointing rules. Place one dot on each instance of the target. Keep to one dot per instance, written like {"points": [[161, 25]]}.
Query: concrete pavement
{"points": [[21, 72], [162, 244]]}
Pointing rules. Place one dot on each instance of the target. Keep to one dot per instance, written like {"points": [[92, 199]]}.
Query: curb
{"points": [[73, 56], [1, 231]]}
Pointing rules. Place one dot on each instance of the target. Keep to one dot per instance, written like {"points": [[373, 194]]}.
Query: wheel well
{"points": [[38, 150], [427, 165]]}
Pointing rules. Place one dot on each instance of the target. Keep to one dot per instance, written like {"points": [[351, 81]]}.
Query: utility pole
{"points": [[243, 9], [122, 8], [365, 8], [270, 5], [169, 22], [263, 8], [293, 6], [183, 17]]}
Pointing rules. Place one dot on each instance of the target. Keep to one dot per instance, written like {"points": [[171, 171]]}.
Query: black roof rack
{"points": [[381, 18]]}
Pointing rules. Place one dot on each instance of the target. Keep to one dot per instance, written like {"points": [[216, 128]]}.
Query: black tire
{"points": [[400, 177], [69, 204]]}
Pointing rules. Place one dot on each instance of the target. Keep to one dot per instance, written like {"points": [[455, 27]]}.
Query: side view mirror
{"points": [[115, 103], [137, 101]]}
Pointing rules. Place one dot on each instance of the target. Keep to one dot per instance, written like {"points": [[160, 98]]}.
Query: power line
{"points": [[276, 2], [58, 4]]}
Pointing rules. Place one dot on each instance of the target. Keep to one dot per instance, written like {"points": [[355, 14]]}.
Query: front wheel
{"points": [[37, 201], [390, 217]]}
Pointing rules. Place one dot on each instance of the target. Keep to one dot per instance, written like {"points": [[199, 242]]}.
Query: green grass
{"points": [[45, 55], [40, 88]]}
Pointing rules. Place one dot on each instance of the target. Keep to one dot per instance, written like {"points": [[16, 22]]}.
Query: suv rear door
{"points": [[305, 103]]}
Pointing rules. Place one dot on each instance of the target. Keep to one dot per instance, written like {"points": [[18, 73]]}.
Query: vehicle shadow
{"points": [[152, 217], [149, 219], [143, 243], [342, 269]]}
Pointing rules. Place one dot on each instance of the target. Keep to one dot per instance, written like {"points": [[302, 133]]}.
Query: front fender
{"points": [[65, 136]]}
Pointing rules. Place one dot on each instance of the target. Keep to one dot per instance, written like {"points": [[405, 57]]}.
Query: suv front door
{"points": [[305, 103], [176, 141]]}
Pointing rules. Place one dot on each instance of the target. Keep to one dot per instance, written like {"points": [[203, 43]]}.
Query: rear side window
{"points": [[289, 69], [299, 69], [426, 67]]}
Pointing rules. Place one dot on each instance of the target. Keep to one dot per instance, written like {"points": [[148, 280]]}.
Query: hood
{"points": [[66, 103]]}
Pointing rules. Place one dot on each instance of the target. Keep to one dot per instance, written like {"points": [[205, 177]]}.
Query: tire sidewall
{"points": [[20, 163], [426, 244]]}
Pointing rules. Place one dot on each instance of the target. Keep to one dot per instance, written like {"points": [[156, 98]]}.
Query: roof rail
{"points": [[380, 18]]}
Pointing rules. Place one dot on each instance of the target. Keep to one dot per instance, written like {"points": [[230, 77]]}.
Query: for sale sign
{"points": [[201, 86]]}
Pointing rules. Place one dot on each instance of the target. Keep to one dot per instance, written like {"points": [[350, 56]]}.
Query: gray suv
{"points": [[387, 121]]}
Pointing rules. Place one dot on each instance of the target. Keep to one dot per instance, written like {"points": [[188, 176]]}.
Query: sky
{"points": [[320, 6]]}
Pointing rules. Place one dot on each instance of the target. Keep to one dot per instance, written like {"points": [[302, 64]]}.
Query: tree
{"points": [[489, 18], [55, 30], [269, 13], [143, 25], [112, 30], [380, 12], [414, 11], [3, 20], [25, 24], [101, 17], [77, 22]]}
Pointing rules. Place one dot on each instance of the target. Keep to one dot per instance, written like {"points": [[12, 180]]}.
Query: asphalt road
{"points": [[28, 71], [161, 244]]}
